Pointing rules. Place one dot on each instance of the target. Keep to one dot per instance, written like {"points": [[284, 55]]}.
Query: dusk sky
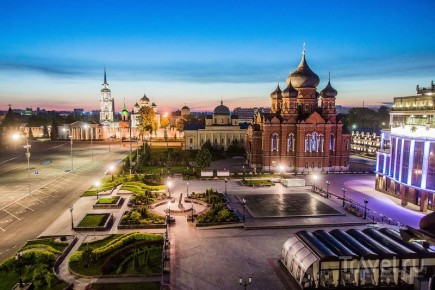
{"points": [[53, 53]]}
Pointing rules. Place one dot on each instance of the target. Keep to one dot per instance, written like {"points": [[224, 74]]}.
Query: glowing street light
{"points": [[315, 177], [27, 147], [281, 170], [169, 185], [97, 185]]}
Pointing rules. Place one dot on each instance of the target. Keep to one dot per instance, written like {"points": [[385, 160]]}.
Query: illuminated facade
{"points": [[301, 133], [107, 104], [407, 169]]}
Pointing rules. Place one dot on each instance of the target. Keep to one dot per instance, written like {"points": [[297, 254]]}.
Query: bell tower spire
{"points": [[105, 79], [107, 103]]}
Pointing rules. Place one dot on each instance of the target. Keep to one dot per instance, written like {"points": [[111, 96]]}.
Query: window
{"points": [[307, 143], [346, 145], [320, 142], [290, 145], [215, 140], [312, 164], [190, 140], [314, 142], [306, 164], [331, 143], [274, 142]]}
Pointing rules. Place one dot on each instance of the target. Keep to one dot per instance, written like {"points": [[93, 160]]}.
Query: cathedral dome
{"points": [[185, 107], [144, 99], [221, 110], [303, 76], [136, 105], [124, 112], [328, 91], [276, 93], [290, 91]]}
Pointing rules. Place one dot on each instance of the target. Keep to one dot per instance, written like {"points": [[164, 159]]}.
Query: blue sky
{"points": [[52, 53]]}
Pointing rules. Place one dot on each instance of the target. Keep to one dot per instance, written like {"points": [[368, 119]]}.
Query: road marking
{"points": [[24, 206], [4, 231], [11, 214], [7, 250], [14, 247]]}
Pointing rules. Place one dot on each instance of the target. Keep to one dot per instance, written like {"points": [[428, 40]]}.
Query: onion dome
{"points": [[276, 93], [124, 112], [221, 110], [185, 107], [145, 98], [303, 76], [290, 91], [328, 91], [136, 105]]}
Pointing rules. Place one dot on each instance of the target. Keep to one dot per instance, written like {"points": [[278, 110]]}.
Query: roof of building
{"points": [[221, 110], [329, 91], [185, 107], [244, 125], [193, 127], [303, 76], [145, 98], [290, 91], [277, 92]]}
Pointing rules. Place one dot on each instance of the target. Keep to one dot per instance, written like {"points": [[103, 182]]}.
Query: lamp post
{"points": [[365, 207], [315, 176], [27, 147], [71, 143], [192, 210], [327, 188], [187, 189], [92, 148], [111, 169], [18, 259], [344, 195], [243, 205], [281, 171], [97, 185], [226, 180], [169, 184], [245, 284], [243, 172], [169, 212], [72, 219], [129, 127]]}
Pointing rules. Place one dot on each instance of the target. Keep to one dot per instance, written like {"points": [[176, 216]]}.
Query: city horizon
{"points": [[60, 66]]}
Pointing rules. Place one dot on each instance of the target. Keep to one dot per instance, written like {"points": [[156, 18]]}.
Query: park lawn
{"points": [[8, 279], [127, 286], [93, 220], [60, 246], [257, 182], [108, 200], [99, 243]]}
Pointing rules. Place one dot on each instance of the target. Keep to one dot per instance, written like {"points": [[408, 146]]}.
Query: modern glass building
{"points": [[407, 169]]}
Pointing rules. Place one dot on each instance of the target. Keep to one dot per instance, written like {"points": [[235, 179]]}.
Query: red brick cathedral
{"points": [[298, 133]]}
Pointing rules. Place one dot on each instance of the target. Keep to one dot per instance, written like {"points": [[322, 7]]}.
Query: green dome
{"points": [[222, 110], [124, 112]]}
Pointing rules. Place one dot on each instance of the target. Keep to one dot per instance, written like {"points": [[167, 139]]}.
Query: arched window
{"points": [[320, 142], [274, 142], [331, 142], [290, 143], [346, 145], [314, 142], [307, 143]]}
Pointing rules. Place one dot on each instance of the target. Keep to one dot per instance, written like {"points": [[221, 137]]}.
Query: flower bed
{"points": [[141, 218], [257, 182], [135, 253], [95, 221], [109, 202]]}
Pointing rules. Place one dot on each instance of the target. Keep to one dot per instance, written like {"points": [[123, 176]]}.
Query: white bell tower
{"points": [[107, 103]]}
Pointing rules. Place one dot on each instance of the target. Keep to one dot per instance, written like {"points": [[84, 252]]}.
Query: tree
{"points": [[164, 123], [147, 121], [53, 133], [203, 158], [180, 125]]}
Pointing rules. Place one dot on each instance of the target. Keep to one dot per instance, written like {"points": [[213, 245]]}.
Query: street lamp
{"points": [[243, 172], [327, 188], [92, 133], [72, 219], [169, 212], [192, 210], [27, 147], [111, 169], [365, 207], [281, 171], [71, 143], [315, 176], [226, 180], [344, 194], [243, 205], [245, 283], [97, 185], [18, 257], [169, 184], [187, 190]]}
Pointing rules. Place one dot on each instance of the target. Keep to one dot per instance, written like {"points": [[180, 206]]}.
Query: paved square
{"points": [[286, 205]]}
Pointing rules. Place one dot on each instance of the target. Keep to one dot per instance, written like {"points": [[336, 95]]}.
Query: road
{"points": [[54, 187]]}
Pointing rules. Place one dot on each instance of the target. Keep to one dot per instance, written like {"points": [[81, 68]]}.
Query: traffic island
{"points": [[141, 218], [95, 222]]}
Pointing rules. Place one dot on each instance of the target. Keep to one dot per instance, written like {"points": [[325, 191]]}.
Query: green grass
{"points": [[93, 220], [163, 169], [8, 279], [99, 243], [60, 246], [127, 286], [108, 200], [257, 182]]}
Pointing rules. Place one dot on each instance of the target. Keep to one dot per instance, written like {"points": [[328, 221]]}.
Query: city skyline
{"points": [[198, 53]]}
